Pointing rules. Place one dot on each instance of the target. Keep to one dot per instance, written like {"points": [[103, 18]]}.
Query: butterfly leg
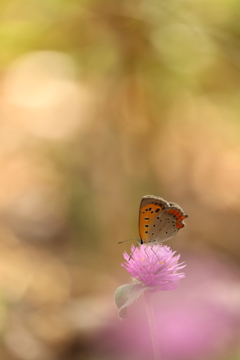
{"points": [[146, 251], [154, 251], [131, 255]]}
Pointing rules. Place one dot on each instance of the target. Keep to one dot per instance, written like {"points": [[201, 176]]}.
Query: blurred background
{"points": [[102, 102]]}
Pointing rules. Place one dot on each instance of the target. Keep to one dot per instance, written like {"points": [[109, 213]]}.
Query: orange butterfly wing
{"points": [[154, 219], [149, 207]]}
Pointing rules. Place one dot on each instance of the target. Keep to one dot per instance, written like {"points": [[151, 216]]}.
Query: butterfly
{"points": [[159, 220]]}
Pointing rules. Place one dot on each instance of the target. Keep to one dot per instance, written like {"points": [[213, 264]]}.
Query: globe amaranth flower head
{"points": [[154, 266]]}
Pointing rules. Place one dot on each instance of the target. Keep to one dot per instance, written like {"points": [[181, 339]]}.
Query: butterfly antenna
{"points": [[120, 242]]}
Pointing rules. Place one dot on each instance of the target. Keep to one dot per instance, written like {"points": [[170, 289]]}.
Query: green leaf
{"points": [[125, 295]]}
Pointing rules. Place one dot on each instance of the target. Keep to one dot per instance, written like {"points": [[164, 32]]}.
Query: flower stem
{"points": [[152, 324]]}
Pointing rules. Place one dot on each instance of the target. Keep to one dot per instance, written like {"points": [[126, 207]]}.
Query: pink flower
{"points": [[154, 266]]}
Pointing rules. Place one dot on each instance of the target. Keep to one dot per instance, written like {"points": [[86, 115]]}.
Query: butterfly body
{"points": [[159, 220]]}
